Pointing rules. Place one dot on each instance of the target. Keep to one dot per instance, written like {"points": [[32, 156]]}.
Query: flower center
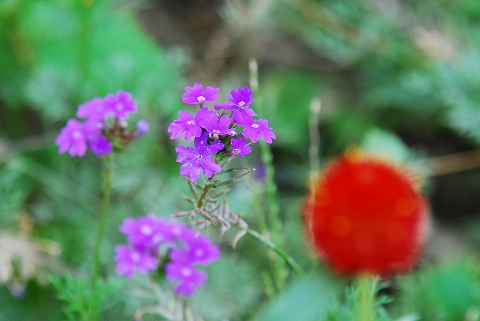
{"points": [[199, 252], [77, 134], [255, 125], [191, 122], [241, 104], [236, 150], [135, 257], [201, 99], [186, 271], [119, 107], [146, 230]]}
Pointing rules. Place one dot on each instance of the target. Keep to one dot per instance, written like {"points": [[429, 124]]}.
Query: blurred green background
{"points": [[394, 75]]}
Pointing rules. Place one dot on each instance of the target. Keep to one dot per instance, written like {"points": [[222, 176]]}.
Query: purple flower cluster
{"points": [[215, 131], [105, 122], [151, 238]]}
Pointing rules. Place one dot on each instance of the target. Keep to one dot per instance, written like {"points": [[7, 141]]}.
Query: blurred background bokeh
{"points": [[401, 76]]}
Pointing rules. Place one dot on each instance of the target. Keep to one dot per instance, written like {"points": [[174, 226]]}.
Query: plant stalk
{"points": [[107, 187]]}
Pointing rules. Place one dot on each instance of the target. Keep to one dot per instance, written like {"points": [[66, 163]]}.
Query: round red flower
{"points": [[365, 215]]}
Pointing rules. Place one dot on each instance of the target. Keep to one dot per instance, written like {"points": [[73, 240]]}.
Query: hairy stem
{"points": [[365, 309]]}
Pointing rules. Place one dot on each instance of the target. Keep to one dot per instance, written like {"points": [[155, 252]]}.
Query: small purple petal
{"points": [[72, 138], [100, 145], [197, 95], [240, 147]]}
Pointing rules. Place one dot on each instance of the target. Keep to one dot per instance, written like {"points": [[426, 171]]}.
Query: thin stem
{"points": [[274, 222], [284, 255], [107, 186], [365, 309]]}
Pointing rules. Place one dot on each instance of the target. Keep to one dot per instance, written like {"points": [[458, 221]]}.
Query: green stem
{"points": [[107, 186], [281, 253], [273, 217], [365, 309]]}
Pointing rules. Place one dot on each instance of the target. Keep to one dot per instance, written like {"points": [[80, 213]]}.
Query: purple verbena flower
{"points": [[198, 95], [188, 277], [240, 147], [121, 104], [241, 97], [94, 109], [199, 250], [198, 158], [216, 125], [72, 138], [130, 259], [147, 232], [100, 145], [142, 127], [185, 124], [239, 103], [259, 128]]}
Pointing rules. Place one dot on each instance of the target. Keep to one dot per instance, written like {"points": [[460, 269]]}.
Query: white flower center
{"points": [[255, 125], [146, 230], [119, 107], [201, 99], [77, 134], [199, 252], [236, 150], [191, 122], [135, 257], [186, 271]]}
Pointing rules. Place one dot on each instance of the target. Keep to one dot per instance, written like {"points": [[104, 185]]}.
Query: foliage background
{"points": [[395, 74]]}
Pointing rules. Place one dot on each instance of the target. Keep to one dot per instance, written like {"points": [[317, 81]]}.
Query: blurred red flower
{"points": [[364, 215]]}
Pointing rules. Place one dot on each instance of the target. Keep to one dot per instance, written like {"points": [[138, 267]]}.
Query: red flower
{"points": [[365, 215]]}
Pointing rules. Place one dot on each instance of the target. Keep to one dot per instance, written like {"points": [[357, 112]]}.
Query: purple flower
{"points": [[100, 145], [121, 104], [142, 127], [199, 250], [130, 259], [241, 97], [197, 95], [238, 103], [217, 125], [72, 138], [189, 278], [94, 109], [198, 158], [186, 123], [147, 232], [259, 128], [240, 147]]}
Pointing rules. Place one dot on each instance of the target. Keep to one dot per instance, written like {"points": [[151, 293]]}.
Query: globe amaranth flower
{"points": [[198, 95], [105, 126], [153, 239], [198, 158], [366, 215]]}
